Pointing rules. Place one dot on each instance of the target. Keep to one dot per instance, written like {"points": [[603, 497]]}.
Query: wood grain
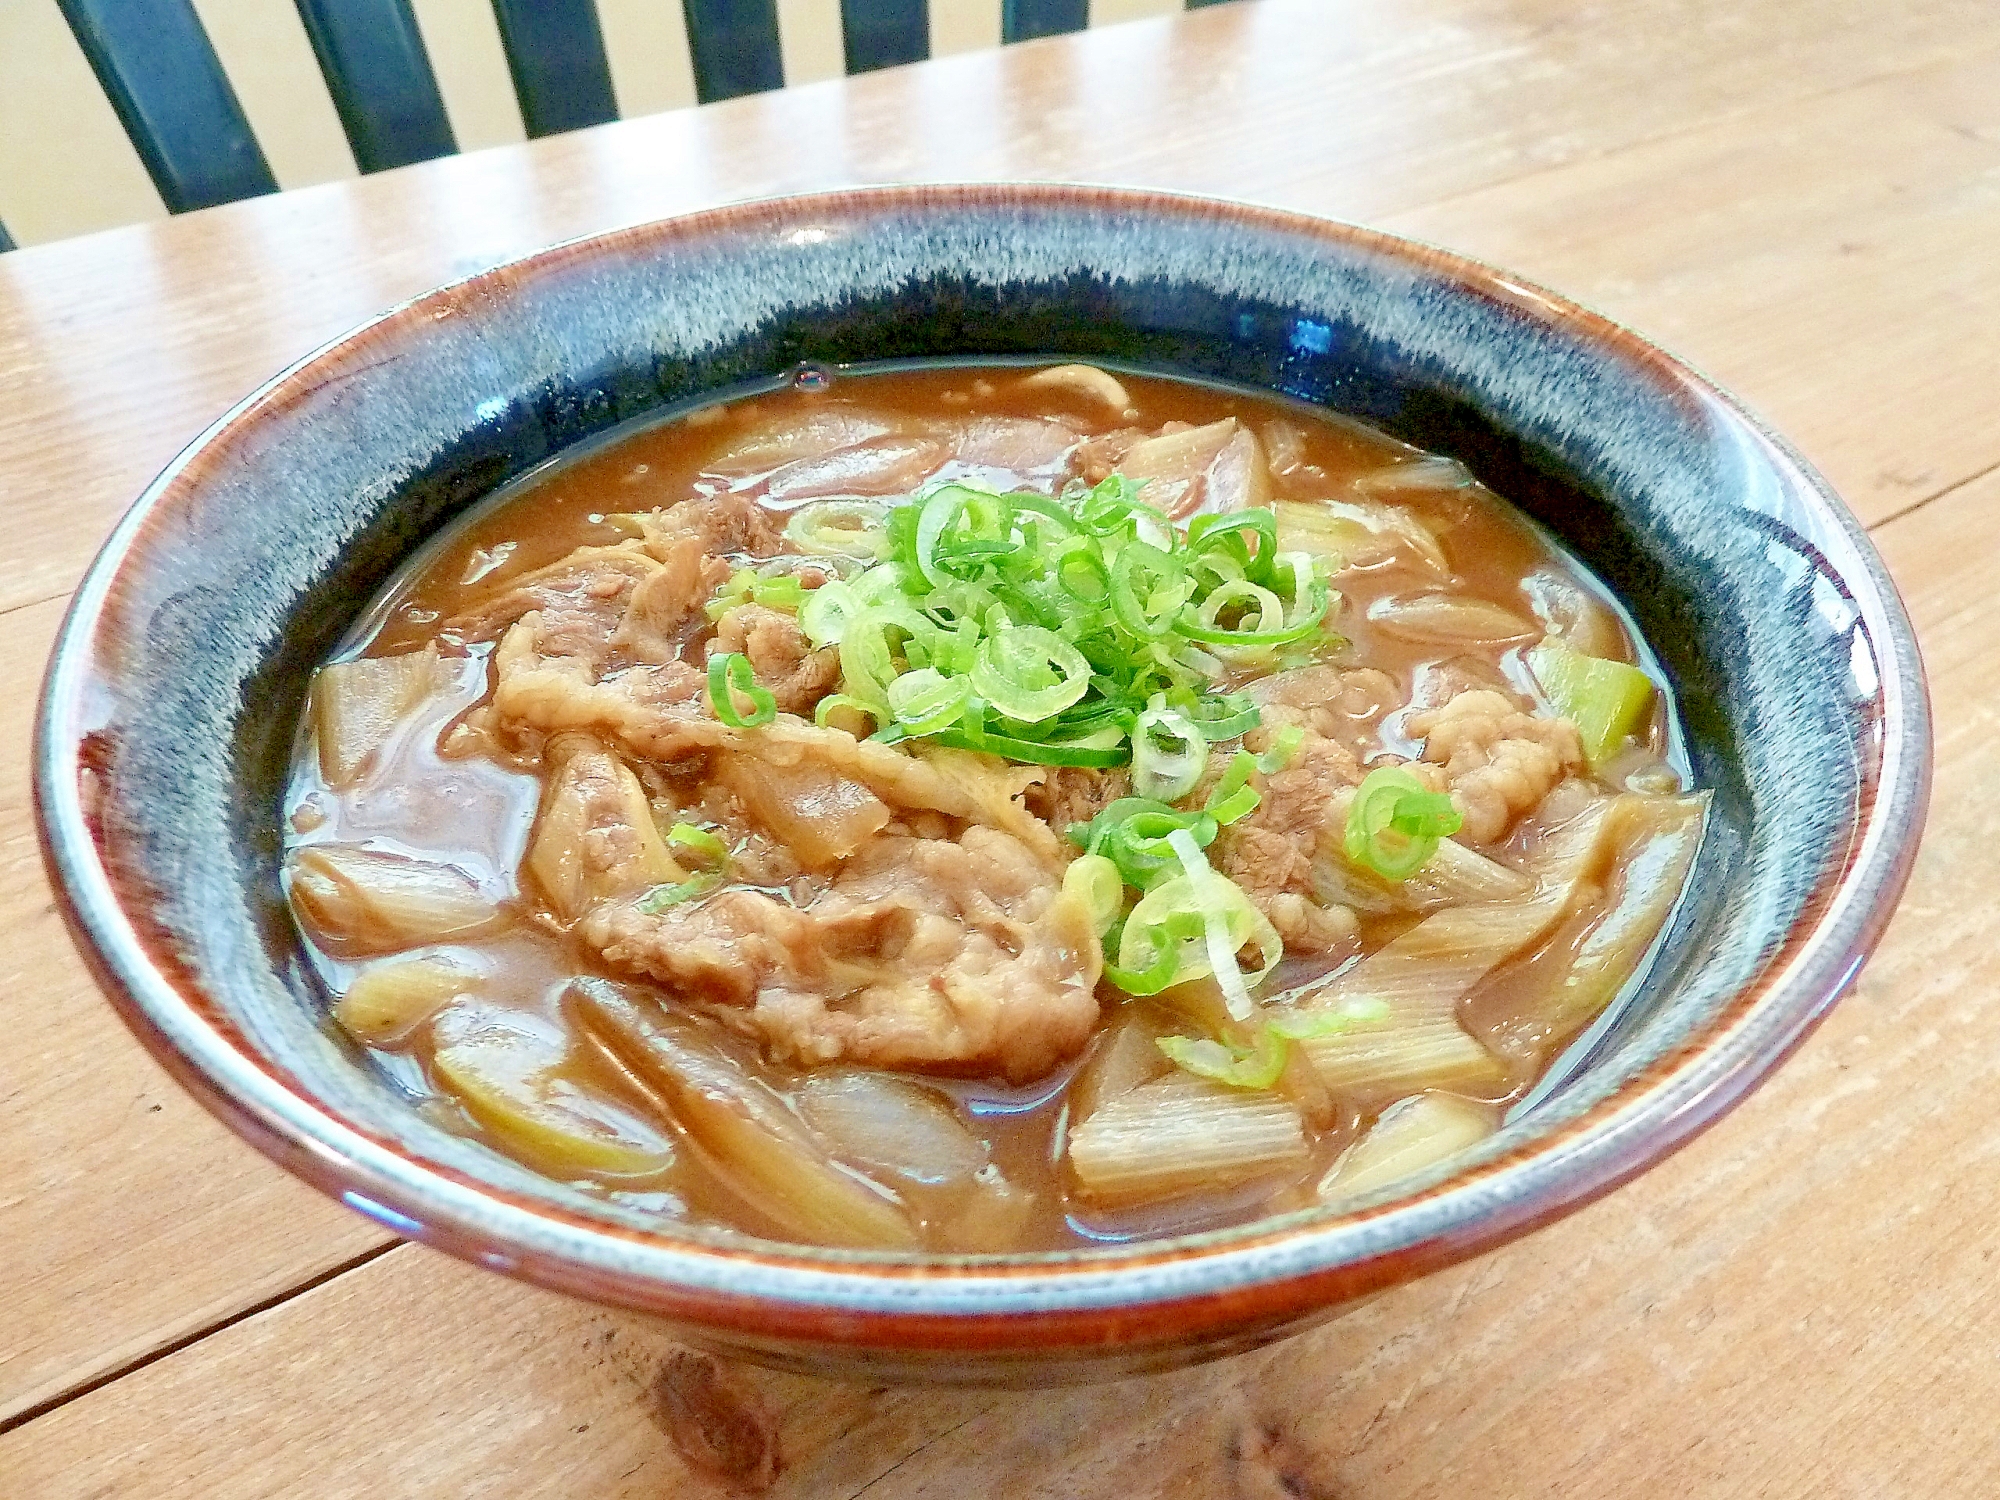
{"points": [[131, 1219], [1833, 255], [1803, 203]]}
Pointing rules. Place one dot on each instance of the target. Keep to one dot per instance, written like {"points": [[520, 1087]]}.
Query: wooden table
{"points": [[1803, 200]]}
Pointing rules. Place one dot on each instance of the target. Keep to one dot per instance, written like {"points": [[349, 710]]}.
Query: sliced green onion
{"points": [[1168, 753], [1162, 969], [1228, 922], [1254, 1067], [849, 709], [783, 592], [1066, 617], [1034, 752], [701, 841], [943, 507], [1225, 716], [1282, 751], [838, 528], [1235, 532], [926, 701], [824, 615], [1148, 589], [1095, 880], [1272, 630], [1238, 804], [729, 674], [1132, 833], [1166, 921], [1233, 797], [1029, 673], [867, 652], [660, 897], [1235, 777], [1395, 822], [731, 594], [1303, 1026], [1082, 573]]}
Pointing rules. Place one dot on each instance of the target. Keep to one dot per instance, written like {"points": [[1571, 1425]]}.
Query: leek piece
{"points": [[359, 901], [1608, 701], [388, 1001], [509, 1078], [754, 1144], [357, 706], [1657, 838], [1411, 1134], [1420, 977], [1370, 1066], [1453, 876], [889, 1125], [1180, 1134], [1123, 1058], [595, 804]]}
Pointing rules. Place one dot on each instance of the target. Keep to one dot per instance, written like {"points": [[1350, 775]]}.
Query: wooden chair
{"points": [[161, 74]]}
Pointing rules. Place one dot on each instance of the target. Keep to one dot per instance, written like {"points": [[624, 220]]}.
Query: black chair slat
{"points": [[156, 66], [884, 33], [1021, 20], [734, 44], [379, 74], [6, 240], [556, 53]]}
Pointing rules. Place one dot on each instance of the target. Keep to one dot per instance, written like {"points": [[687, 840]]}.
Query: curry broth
{"points": [[477, 812]]}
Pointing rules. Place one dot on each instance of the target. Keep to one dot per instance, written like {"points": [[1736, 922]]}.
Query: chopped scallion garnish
{"points": [[1253, 1067], [1395, 822], [1078, 630], [660, 897], [1169, 752], [729, 676], [701, 841]]}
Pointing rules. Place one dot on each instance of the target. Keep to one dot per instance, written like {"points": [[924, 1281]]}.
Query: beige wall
{"points": [[66, 167]]}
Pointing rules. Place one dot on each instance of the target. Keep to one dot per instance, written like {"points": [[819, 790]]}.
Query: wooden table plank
{"points": [[1584, 148], [131, 1218], [1788, 1308], [1835, 256]]}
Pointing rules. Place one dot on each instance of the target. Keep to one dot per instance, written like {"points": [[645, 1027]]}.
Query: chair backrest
{"points": [[160, 71]]}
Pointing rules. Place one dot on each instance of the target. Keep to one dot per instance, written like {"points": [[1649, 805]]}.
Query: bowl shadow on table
{"points": [[1263, 1423]]}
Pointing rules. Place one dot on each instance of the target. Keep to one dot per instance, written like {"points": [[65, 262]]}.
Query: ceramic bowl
{"points": [[169, 712]]}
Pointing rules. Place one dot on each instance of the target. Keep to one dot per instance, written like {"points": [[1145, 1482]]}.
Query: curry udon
{"points": [[985, 809]]}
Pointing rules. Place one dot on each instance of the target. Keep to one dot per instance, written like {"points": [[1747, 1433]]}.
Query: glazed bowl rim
{"points": [[1267, 1269]]}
